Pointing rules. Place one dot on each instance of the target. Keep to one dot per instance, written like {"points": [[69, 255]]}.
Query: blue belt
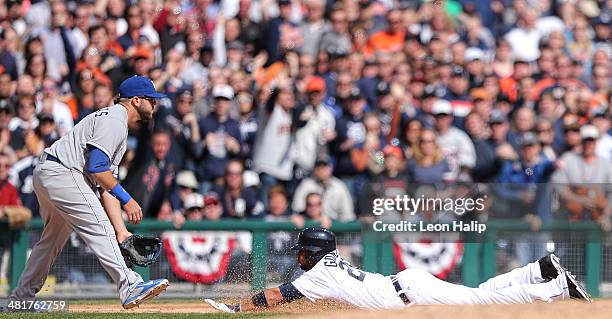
{"points": [[399, 290], [52, 158]]}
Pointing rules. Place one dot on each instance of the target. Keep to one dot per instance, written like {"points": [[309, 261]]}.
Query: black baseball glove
{"points": [[141, 250]]}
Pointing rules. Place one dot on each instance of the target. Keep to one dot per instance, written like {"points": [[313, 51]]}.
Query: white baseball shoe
{"points": [[145, 291], [576, 290]]}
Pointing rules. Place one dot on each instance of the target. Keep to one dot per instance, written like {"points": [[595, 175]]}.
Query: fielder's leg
{"points": [[83, 208], [53, 238]]}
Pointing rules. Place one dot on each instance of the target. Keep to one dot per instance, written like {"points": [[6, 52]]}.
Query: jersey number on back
{"points": [[352, 271], [330, 261]]}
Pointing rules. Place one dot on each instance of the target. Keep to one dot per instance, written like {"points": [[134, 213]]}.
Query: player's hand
{"points": [[133, 211], [223, 307]]}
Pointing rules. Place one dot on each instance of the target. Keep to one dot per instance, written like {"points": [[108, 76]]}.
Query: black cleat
{"points": [[550, 267], [576, 290]]}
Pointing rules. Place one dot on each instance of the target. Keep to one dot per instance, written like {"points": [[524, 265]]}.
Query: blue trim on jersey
{"points": [[98, 161], [121, 194], [289, 292]]}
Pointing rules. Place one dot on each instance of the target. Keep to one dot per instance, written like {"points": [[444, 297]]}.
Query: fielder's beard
{"points": [[144, 116]]}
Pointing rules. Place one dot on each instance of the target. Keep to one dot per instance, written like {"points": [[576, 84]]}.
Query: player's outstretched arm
{"points": [[264, 299]]}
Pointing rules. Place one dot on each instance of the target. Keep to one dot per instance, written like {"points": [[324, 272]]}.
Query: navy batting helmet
{"points": [[316, 240]]}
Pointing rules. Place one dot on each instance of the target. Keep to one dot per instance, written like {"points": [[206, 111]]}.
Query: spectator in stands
{"points": [[314, 26], [428, 165], [194, 207], [523, 121], [248, 125], [546, 136], [59, 55], [43, 136], [571, 130], [318, 126], [519, 180], [23, 123], [337, 201], [85, 93], [582, 181], [50, 103], [351, 133], [392, 182], [602, 121], [510, 85], [411, 137], [8, 193], [221, 137], [523, 192], [186, 183], [337, 38], [487, 163], [279, 243], [388, 111], [213, 210], [524, 39], [391, 39], [366, 156], [456, 146], [238, 201], [272, 157], [312, 213], [182, 123], [103, 96], [134, 18], [152, 182]]}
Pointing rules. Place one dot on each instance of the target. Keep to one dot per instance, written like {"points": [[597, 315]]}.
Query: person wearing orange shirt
{"points": [[391, 39]]}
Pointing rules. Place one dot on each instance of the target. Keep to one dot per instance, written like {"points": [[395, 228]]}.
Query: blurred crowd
{"points": [[306, 110]]}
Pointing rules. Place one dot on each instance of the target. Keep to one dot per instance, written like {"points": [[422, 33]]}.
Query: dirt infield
{"points": [[567, 309], [161, 306]]}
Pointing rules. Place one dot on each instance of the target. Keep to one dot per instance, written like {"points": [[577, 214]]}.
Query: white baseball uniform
{"points": [[69, 201], [334, 278]]}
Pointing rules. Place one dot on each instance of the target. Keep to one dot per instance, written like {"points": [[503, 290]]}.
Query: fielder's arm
{"points": [[110, 184], [112, 207], [99, 167]]}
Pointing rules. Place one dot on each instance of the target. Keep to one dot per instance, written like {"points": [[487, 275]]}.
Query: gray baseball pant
{"points": [[68, 203]]}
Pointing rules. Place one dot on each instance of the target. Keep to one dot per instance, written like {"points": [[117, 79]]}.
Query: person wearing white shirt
{"points": [[525, 38]]}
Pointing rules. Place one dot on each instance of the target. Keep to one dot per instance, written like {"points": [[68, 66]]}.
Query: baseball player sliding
{"points": [[328, 276], [77, 190]]}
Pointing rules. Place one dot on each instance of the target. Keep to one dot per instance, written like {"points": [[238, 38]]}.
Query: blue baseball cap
{"points": [[139, 86]]}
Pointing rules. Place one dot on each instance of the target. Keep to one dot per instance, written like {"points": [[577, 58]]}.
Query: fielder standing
{"points": [[77, 189]]}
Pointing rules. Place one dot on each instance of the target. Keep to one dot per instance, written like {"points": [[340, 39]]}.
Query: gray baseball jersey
{"points": [[105, 129], [68, 202]]}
